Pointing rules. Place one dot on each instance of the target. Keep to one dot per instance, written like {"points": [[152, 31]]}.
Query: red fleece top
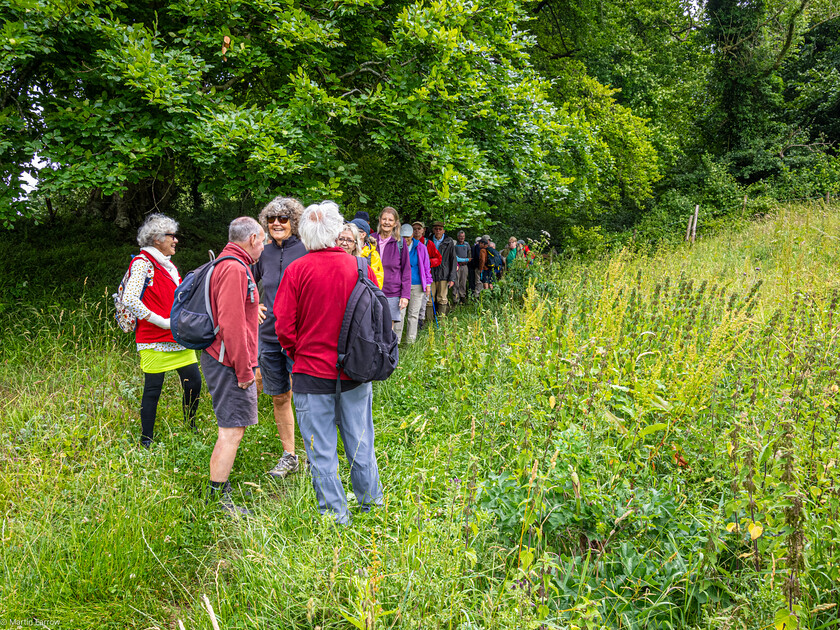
{"points": [[309, 308], [236, 313]]}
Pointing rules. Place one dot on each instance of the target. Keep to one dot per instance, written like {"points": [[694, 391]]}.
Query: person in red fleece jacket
{"points": [[309, 308], [229, 363]]}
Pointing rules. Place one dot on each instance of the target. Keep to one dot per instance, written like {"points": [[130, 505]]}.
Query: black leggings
{"points": [[190, 377]]}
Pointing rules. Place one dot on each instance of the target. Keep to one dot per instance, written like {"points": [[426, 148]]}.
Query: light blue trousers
{"points": [[318, 417]]}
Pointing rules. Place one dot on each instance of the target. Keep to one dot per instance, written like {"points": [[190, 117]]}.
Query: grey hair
{"points": [[242, 228], [392, 211], [155, 228], [279, 206], [357, 236], [320, 225], [462, 232]]}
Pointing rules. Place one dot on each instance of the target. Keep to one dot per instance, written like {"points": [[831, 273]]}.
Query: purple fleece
{"points": [[396, 266]]}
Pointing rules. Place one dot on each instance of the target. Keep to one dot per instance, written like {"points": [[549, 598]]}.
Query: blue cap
{"points": [[363, 225]]}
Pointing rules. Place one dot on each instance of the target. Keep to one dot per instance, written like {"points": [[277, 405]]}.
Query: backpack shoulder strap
{"points": [[150, 274], [362, 263], [213, 264]]}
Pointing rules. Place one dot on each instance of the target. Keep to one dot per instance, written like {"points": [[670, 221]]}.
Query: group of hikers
{"points": [[277, 298]]}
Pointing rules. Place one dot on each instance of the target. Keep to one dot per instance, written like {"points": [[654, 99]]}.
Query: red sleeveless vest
{"points": [[158, 298]]}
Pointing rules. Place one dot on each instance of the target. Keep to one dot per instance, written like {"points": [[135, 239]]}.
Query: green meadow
{"points": [[646, 440]]}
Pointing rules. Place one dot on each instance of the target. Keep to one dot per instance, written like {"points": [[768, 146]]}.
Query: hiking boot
{"points": [[287, 465], [226, 503], [222, 497]]}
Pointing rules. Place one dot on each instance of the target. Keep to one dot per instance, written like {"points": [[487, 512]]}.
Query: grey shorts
{"points": [[276, 370], [396, 313], [234, 407]]}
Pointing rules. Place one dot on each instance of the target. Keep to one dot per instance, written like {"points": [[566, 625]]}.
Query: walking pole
{"points": [[434, 309]]}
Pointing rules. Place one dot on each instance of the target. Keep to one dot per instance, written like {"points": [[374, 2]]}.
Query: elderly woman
{"points": [[280, 220], [397, 282], [148, 294], [421, 281], [310, 309], [351, 240]]}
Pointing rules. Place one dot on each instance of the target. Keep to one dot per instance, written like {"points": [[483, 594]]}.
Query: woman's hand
{"points": [[403, 303], [263, 311]]}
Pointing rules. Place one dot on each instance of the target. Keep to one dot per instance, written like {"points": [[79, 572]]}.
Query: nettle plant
{"points": [[678, 438]]}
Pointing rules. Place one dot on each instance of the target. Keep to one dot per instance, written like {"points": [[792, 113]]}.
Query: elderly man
{"points": [[229, 363], [443, 276], [310, 308]]}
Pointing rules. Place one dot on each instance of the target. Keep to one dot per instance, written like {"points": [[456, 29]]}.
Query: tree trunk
{"points": [[128, 209]]}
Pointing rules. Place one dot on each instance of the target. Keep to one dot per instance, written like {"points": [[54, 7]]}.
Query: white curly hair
{"points": [[155, 228], [320, 225]]}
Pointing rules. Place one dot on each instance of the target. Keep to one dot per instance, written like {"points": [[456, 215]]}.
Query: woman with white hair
{"points": [[310, 309], [148, 294]]}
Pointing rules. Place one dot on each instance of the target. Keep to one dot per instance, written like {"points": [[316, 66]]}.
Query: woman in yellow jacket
{"points": [[354, 240]]}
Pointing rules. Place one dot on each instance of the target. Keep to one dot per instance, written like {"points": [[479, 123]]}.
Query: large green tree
{"points": [[429, 106]]}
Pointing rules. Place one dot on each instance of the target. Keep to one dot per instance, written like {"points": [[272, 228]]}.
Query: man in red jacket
{"points": [[228, 364], [309, 307]]}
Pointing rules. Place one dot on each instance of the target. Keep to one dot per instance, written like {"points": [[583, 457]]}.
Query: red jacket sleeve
{"points": [[285, 312], [231, 284]]}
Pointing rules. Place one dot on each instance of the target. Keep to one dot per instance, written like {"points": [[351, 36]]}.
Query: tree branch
{"points": [[789, 37]]}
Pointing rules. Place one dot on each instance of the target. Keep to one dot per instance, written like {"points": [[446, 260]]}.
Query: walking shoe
{"points": [[287, 465], [226, 503], [222, 497]]}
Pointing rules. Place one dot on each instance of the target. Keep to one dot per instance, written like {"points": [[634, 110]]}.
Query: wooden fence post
{"points": [[694, 223]]}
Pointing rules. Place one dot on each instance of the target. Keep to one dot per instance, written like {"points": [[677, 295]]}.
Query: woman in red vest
{"points": [[148, 294]]}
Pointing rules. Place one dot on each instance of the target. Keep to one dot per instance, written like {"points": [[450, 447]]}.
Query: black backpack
{"points": [[367, 345], [191, 317]]}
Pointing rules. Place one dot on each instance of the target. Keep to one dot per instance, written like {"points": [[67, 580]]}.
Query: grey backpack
{"points": [[367, 345]]}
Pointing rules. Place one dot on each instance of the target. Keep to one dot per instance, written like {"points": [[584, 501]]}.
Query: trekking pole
{"points": [[434, 310]]}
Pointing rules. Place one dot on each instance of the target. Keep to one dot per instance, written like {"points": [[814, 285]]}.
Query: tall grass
{"points": [[644, 441]]}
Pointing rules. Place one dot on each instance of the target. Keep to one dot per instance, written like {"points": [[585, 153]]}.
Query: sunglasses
{"points": [[172, 235], [282, 219]]}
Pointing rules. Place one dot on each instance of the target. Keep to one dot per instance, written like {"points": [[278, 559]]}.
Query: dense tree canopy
{"points": [[587, 112], [429, 105]]}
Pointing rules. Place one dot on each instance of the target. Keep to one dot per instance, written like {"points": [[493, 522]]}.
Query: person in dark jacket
{"points": [[280, 221], [443, 276], [310, 309]]}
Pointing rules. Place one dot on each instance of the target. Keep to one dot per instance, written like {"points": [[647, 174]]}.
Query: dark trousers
{"points": [[190, 378]]}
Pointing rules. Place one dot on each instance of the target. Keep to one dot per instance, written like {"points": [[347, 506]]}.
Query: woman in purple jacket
{"points": [[397, 283]]}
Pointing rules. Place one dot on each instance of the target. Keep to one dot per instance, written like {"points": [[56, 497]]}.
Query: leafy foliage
{"points": [[323, 100]]}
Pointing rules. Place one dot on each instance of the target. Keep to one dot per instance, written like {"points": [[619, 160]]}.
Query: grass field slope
{"points": [[649, 440]]}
